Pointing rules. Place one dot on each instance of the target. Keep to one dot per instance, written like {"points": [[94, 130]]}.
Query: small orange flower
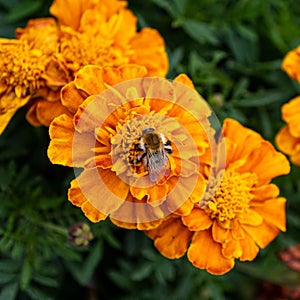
{"points": [[241, 216], [288, 138], [291, 64], [100, 33], [29, 68], [102, 136]]}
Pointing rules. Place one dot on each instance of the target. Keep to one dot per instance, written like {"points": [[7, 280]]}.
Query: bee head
{"points": [[147, 130]]}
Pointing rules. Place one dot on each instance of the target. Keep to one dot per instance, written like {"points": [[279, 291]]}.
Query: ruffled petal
{"points": [[219, 233], [47, 111], [8, 108], [69, 12], [134, 214], [147, 44], [272, 211], [171, 238], [71, 97], [61, 134], [103, 189], [67, 147], [197, 220], [90, 80], [239, 136], [267, 163], [285, 141], [268, 230], [265, 192], [291, 113], [77, 198], [204, 253]]}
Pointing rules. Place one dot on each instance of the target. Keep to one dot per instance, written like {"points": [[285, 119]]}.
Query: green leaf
{"points": [[7, 277], [170, 7], [181, 5], [83, 272], [200, 31], [26, 274], [9, 292], [263, 98], [37, 294], [23, 9], [46, 281], [9, 266], [142, 272]]}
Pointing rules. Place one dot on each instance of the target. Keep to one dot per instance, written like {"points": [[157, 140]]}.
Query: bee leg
{"points": [[138, 159]]}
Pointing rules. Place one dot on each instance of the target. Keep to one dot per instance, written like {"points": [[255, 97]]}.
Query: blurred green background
{"points": [[233, 51]]}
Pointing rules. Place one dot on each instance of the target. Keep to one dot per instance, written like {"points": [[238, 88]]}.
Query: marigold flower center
{"points": [[232, 197], [81, 49], [22, 68], [125, 143]]}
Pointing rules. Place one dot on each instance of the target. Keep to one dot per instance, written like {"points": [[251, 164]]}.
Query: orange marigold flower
{"points": [[100, 33], [291, 64], [29, 68], [241, 216], [288, 138], [111, 113]]}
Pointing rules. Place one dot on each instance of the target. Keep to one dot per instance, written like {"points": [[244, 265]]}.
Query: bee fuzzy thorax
{"points": [[153, 149]]}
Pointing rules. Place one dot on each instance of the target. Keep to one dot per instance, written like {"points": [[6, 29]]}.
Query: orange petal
{"points": [[272, 211], [239, 136], [291, 113], [77, 198], [219, 233], [8, 107], [250, 248], [152, 193], [149, 51], [204, 253], [136, 215], [265, 192], [184, 192], [197, 220], [285, 141], [90, 80], [243, 248], [263, 234], [126, 27], [171, 238], [103, 189], [61, 133], [295, 156], [69, 12], [267, 163], [251, 217], [66, 147], [75, 195], [232, 249], [183, 78], [113, 76], [47, 111], [291, 64], [71, 97], [92, 213]]}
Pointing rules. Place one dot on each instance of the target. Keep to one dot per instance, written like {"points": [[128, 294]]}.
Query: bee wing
{"points": [[157, 165]]}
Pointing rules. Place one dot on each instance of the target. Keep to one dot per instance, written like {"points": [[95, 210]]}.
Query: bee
{"points": [[155, 149]]}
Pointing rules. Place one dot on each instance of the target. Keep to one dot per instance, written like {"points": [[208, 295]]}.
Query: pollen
{"points": [[22, 68], [232, 197]]}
